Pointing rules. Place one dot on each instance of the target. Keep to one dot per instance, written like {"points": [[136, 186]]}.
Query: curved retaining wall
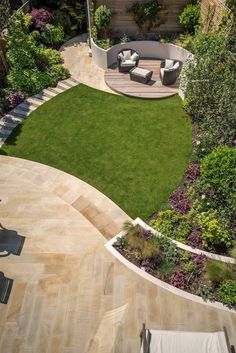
{"points": [[185, 247], [109, 246], [147, 49]]}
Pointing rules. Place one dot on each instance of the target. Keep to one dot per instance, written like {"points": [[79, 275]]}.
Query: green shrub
{"points": [[218, 272], [191, 268], [206, 293], [102, 19], [170, 251], [31, 66], [5, 10], [146, 14], [227, 292], [173, 225], [121, 242], [71, 15], [218, 170], [190, 17], [52, 35], [213, 231]]}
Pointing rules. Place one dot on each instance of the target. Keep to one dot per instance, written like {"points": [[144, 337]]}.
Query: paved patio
{"points": [[76, 57], [69, 294]]}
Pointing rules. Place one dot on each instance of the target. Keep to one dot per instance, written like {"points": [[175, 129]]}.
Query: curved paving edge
{"points": [[195, 298], [10, 120], [101, 211], [185, 247]]}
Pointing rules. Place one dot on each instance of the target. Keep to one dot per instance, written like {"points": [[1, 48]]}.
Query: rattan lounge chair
{"points": [[5, 288], [10, 242], [169, 71], [127, 59]]}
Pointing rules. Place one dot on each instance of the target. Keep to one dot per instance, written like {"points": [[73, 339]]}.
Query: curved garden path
{"points": [[69, 294], [76, 57]]}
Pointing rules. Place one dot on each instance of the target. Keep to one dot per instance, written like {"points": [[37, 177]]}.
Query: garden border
{"points": [[109, 246]]}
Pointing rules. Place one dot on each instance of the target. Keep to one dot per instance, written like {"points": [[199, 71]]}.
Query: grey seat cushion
{"points": [[138, 71]]}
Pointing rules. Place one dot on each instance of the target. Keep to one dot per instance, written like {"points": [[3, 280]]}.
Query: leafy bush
{"points": [[206, 293], [179, 201], [213, 231], [172, 225], [218, 172], [199, 260], [32, 67], [209, 83], [179, 279], [195, 239], [71, 15], [191, 268], [192, 173], [15, 98], [102, 19], [146, 14], [149, 264], [41, 17], [218, 272], [52, 35], [190, 17], [227, 292], [169, 250], [121, 242]]}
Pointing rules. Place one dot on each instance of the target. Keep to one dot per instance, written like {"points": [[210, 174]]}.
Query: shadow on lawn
{"points": [[12, 139]]}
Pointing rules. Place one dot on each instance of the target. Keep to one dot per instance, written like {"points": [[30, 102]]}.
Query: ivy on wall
{"points": [[147, 15]]}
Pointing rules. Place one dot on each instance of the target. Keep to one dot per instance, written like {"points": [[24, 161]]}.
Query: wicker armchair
{"points": [[169, 72], [127, 59]]}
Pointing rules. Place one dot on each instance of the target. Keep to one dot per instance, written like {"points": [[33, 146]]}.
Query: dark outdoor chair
{"points": [[169, 75], [5, 288], [127, 59], [10, 242]]}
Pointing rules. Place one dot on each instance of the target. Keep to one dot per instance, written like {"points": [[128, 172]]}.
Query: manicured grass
{"points": [[135, 151]]}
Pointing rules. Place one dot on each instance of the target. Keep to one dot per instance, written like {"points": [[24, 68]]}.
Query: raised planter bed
{"points": [[137, 266]]}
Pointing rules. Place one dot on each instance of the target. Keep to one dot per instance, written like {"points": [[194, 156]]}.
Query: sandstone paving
{"points": [[69, 293]]}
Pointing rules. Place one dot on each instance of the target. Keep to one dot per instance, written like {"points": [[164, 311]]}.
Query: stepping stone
{"points": [[55, 90], [36, 102]]}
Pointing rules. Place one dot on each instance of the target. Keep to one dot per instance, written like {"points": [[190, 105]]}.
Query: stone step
{"points": [[4, 132], [44, 96], [8, 125], [69, 84], [26, 106], [63, 86], [14, 117], [72, 79], [35, 101], [55, 90], [50, 92], [18, 112]]}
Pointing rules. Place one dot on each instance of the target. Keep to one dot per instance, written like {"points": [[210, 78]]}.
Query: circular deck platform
{"points": [[120, 82]]}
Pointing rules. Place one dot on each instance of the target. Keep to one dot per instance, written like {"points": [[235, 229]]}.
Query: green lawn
{"points": [[135, 151]]}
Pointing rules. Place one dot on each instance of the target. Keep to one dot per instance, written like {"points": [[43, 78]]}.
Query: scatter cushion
{"points": [[169, 64], [134, 57], [128, 63], [127, 54], [176, 65], [121, 56]]}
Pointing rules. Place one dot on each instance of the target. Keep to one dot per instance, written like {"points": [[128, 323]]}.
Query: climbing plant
{"points": [[147, 15]]}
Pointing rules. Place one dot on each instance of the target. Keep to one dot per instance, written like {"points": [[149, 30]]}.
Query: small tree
{"points": [[190, 17], [102, 19]]}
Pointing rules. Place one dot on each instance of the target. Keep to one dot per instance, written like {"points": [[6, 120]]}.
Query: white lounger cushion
{"points": [[128, 63], [127, 54], [138, 71], [134, 57], [187, 342]]}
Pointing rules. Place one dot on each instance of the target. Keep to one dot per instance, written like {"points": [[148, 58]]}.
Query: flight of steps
{"points": [[9, 121]]}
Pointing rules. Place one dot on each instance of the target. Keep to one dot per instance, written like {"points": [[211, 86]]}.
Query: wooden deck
{"points": [[120, 82]]}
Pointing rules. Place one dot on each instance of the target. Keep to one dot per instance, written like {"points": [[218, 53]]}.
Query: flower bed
{"points": [[196, 274]]}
